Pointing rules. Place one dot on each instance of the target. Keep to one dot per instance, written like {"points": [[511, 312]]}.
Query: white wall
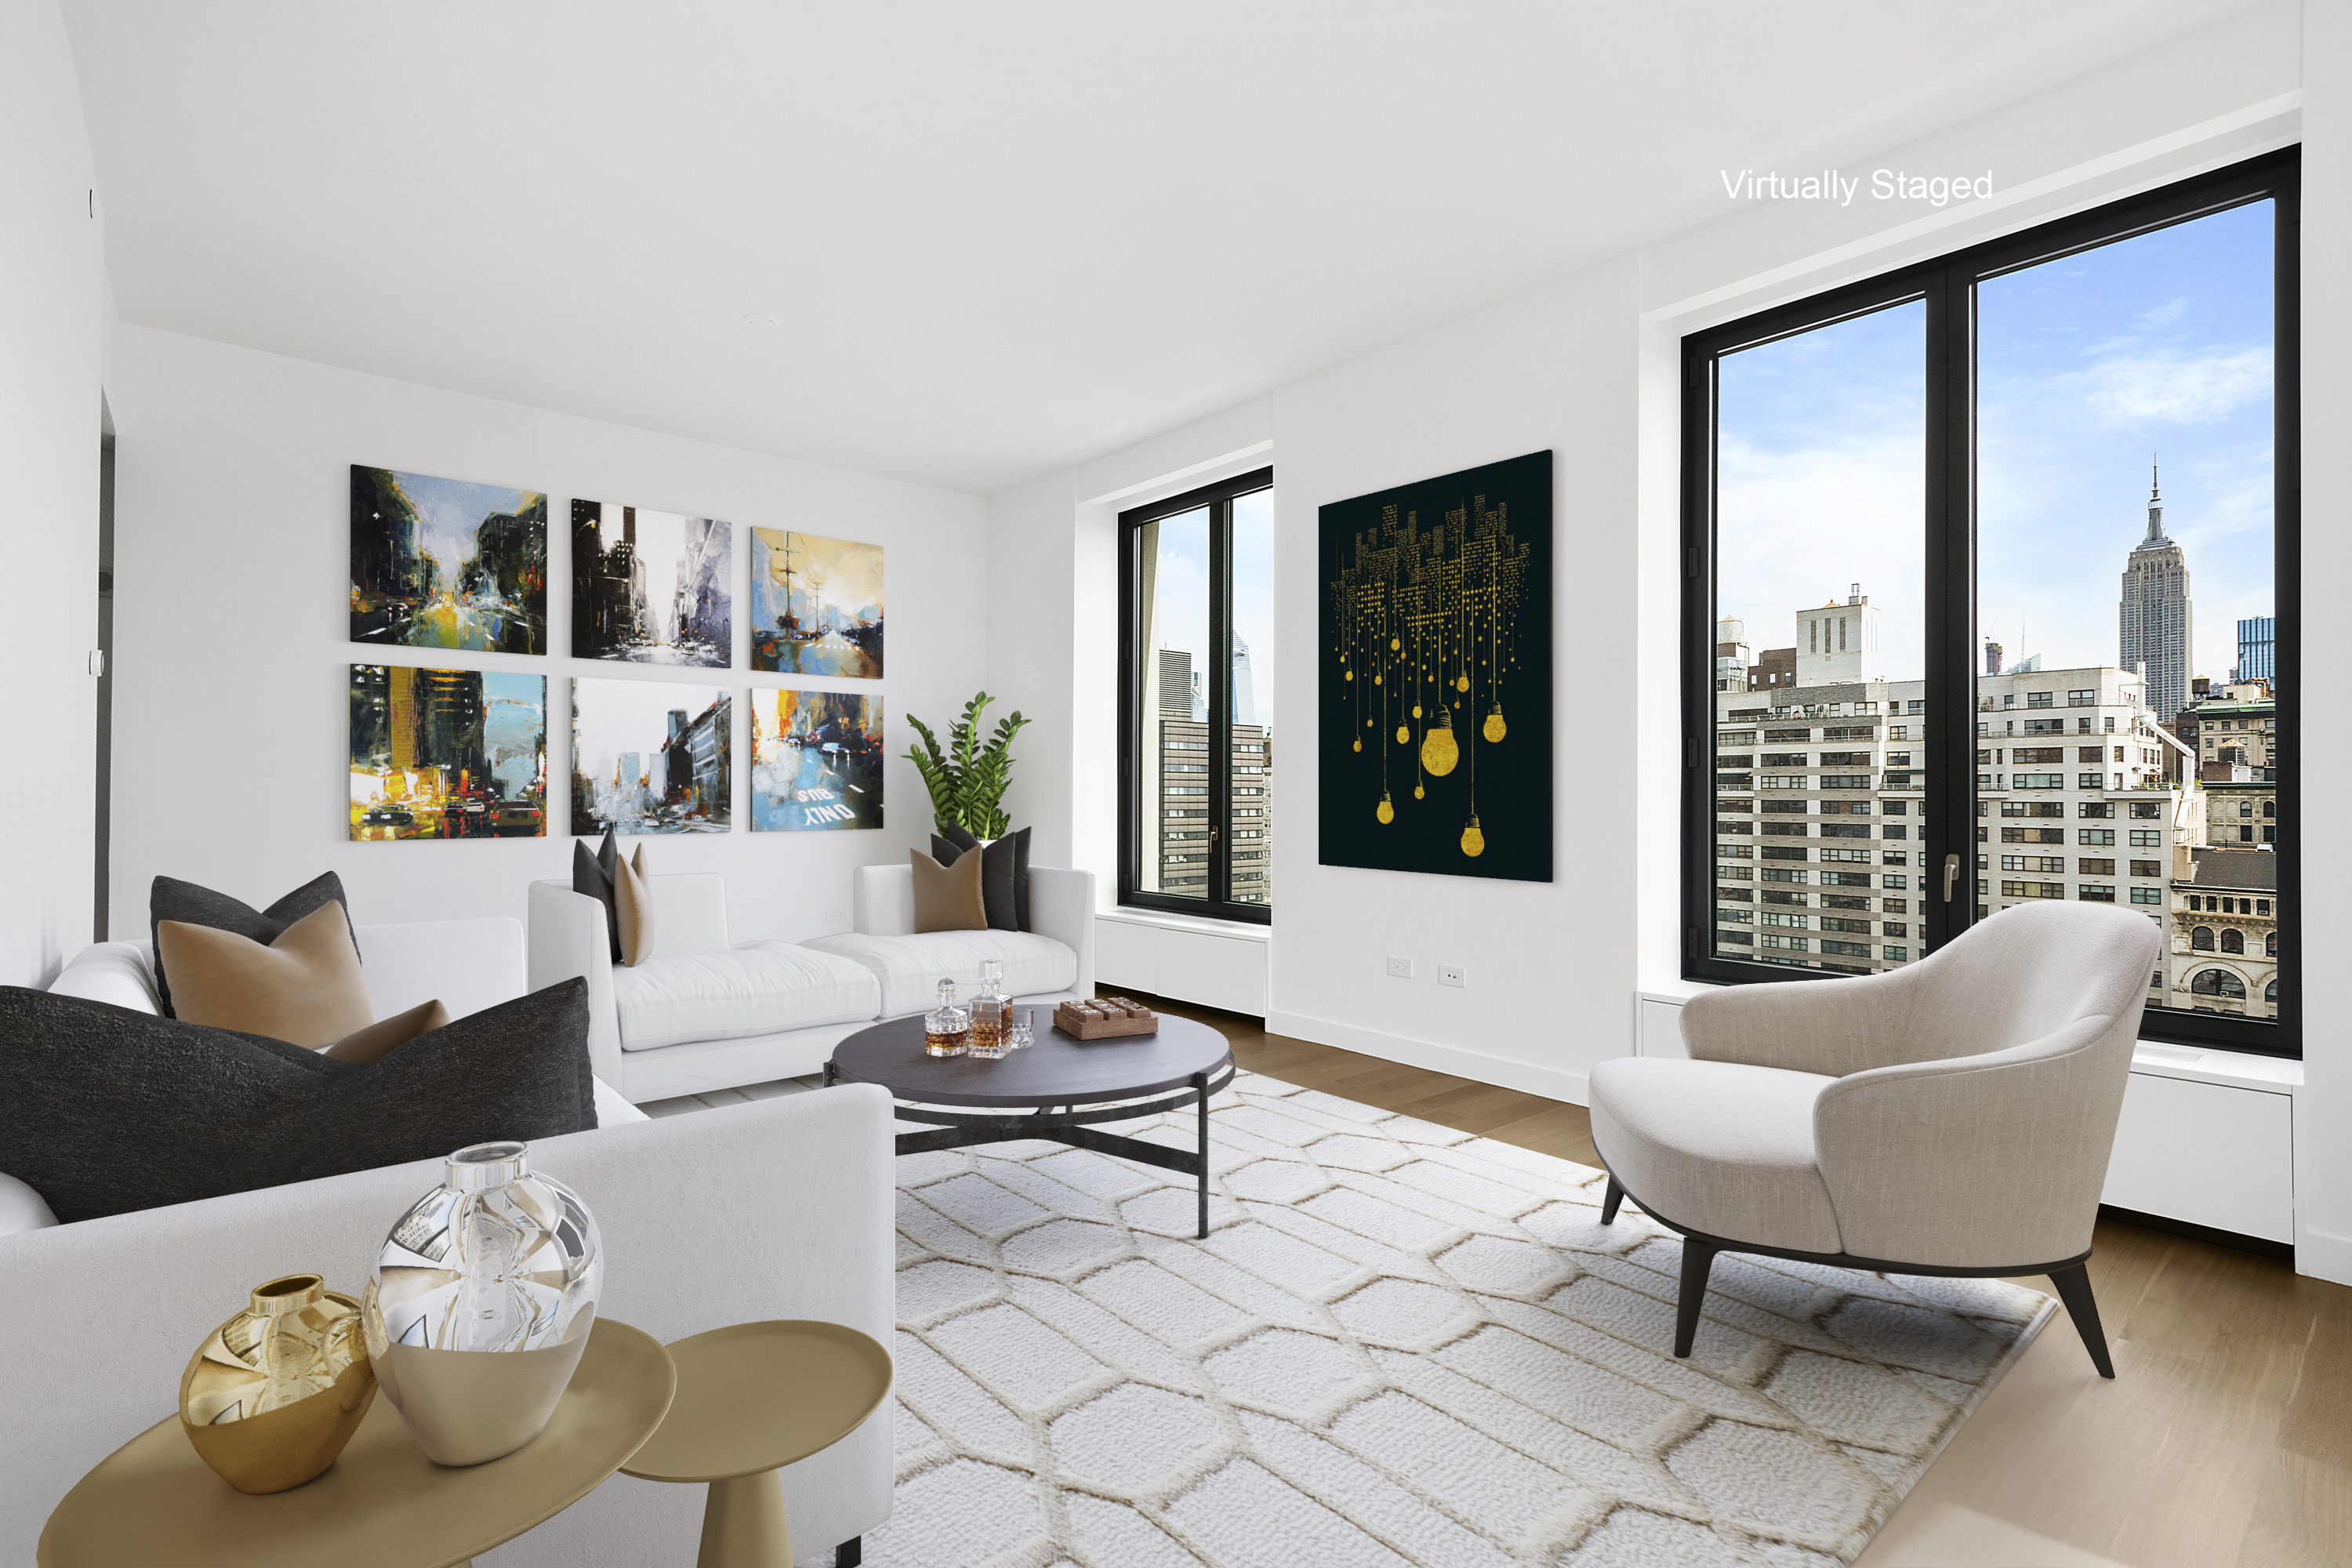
{"points": [[53, 314], [2322, 1120], [1547, 371], [233, 663], [1589, 368]]}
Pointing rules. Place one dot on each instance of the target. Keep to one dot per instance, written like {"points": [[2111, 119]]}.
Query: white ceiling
{"points": [[955, 242]]}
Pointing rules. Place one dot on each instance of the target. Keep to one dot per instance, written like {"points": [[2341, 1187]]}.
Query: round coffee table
{"points": [[382, 1504], [1067, 1081], [752, 1398]]}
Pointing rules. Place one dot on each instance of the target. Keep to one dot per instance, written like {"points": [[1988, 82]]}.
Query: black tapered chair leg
{"points": [[1698, 1261], [1609, 1205], [850, 1553], [2075, 1289]]}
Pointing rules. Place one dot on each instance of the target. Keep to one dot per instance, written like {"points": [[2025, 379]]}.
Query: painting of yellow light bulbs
{"points": [[1435, 685]]}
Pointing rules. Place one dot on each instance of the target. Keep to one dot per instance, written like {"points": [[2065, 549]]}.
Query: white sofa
{"points": [[782, 1208], [706, 1013]]}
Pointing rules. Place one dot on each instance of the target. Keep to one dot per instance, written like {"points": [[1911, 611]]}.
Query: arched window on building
{"points": [[2270, 994], [2270, 809], [2270, 948], [2233, 942], [2202, 940], [2218, 982]]}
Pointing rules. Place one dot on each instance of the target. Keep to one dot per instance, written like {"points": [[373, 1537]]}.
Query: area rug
{"points": [[1400, 1344]]}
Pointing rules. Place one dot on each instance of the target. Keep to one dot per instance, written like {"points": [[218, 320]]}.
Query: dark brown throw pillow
{"points": [[111, 1109], [592, 874], [172, 900], [946, 898], [1004, 873]]}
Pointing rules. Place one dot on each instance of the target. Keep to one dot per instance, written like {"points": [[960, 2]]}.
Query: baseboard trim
{"points": [[2280, 1251], [2323, 1255], [1529, 1078]]}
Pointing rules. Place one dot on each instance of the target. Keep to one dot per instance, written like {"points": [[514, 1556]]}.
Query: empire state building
{"points": [[2155, 614]]}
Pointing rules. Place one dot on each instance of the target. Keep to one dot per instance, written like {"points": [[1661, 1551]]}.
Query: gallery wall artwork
{"points": [[816, 761], [1436, 734], [650, 757], [447, 754], [651, 587], [817, 605], [444, 563]]}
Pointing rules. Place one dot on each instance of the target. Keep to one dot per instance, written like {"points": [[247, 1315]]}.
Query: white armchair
{"points": [[1954, 1117]]}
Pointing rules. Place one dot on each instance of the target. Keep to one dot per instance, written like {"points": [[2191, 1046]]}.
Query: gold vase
{"points": [[274, 1393]]}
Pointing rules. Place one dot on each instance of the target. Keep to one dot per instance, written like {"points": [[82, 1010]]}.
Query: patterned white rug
{"points": [[1400, 1344]]}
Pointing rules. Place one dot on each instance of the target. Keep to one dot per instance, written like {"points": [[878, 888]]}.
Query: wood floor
{"points": [[2225, 1440]]}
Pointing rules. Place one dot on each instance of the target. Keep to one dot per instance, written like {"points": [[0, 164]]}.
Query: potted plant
{"points": [[968, 780]]}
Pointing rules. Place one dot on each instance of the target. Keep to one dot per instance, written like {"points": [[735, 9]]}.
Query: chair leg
{"points": [[2075, 1289], [1609, 1205], [1698, 1261], [850, 1553]]}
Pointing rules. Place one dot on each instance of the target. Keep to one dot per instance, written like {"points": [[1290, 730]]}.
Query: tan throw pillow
{"points": [[378, 1039], [304, 988], [632, 907], [948, 897]]}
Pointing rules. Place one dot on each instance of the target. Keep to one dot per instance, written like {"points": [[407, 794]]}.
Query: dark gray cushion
{"points": [[172, 900], [593, 875], [1003, 873], [110, 1110]]}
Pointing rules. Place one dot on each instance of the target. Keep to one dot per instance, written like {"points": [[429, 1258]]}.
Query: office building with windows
{"points": [[2258, 649], [2156, 619]]}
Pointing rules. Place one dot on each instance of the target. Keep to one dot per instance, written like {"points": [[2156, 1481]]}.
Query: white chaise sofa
{"points": [[782, 1208], [706, 1013]]}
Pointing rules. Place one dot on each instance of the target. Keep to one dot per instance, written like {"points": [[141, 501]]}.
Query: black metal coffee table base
{"points": [[961, 1130], [1065, 1080]]}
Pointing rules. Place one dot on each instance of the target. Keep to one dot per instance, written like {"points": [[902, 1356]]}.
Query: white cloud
{"points": [[2171, 390], [2165, 313], [1796, 528]]}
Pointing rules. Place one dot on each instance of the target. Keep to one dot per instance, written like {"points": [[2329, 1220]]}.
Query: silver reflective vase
{"points": [[480, 1304]]}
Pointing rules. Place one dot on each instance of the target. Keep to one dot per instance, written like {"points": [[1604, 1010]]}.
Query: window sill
{"points": [[1245, 931]]}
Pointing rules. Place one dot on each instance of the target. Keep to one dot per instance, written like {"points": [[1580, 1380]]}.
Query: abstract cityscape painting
{"points": [[447, 754], [816, 606], [651, 587], [1435, 731], [650, 757], [816, 761], [444, 563]]}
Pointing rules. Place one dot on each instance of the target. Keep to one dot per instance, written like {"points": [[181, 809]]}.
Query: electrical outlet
{"points": [[1401, 968], [1453, 974]]}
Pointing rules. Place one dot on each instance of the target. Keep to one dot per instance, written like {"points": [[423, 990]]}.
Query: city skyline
{"points": [[2085, 364]]}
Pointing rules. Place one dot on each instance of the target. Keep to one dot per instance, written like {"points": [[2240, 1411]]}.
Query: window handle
{"points": [[1951, 875]]}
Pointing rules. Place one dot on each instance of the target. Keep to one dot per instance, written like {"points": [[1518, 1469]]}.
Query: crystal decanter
{"points": [[991, 1011], [947, 1028]]}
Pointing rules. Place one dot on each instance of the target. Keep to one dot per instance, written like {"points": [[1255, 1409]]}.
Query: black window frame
{"points": [[1947, 286], [1219, 499]]}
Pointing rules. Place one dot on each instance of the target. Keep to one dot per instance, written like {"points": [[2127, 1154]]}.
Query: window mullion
{"points": [[1220, 700], [1950, 607]]}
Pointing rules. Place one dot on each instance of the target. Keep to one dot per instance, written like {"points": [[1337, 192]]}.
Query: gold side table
{"points": [[382, 1504], [752, 1398]]}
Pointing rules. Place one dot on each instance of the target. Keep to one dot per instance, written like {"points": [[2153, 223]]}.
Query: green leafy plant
{"points": [[968, 780]]}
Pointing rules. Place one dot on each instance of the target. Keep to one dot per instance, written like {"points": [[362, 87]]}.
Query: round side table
{"points": [[382, 1504], [752, 1398]]}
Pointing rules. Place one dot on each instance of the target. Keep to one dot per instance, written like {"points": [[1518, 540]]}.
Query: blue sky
{"points": [[2085, 364], [1183, 589]]}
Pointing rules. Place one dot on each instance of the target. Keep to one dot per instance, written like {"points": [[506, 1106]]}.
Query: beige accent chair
{"points": [[1951, 1118]]}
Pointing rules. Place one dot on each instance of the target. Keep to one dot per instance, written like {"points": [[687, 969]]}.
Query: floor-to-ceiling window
{"points": [[1196, 702], [1985, 605]]}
